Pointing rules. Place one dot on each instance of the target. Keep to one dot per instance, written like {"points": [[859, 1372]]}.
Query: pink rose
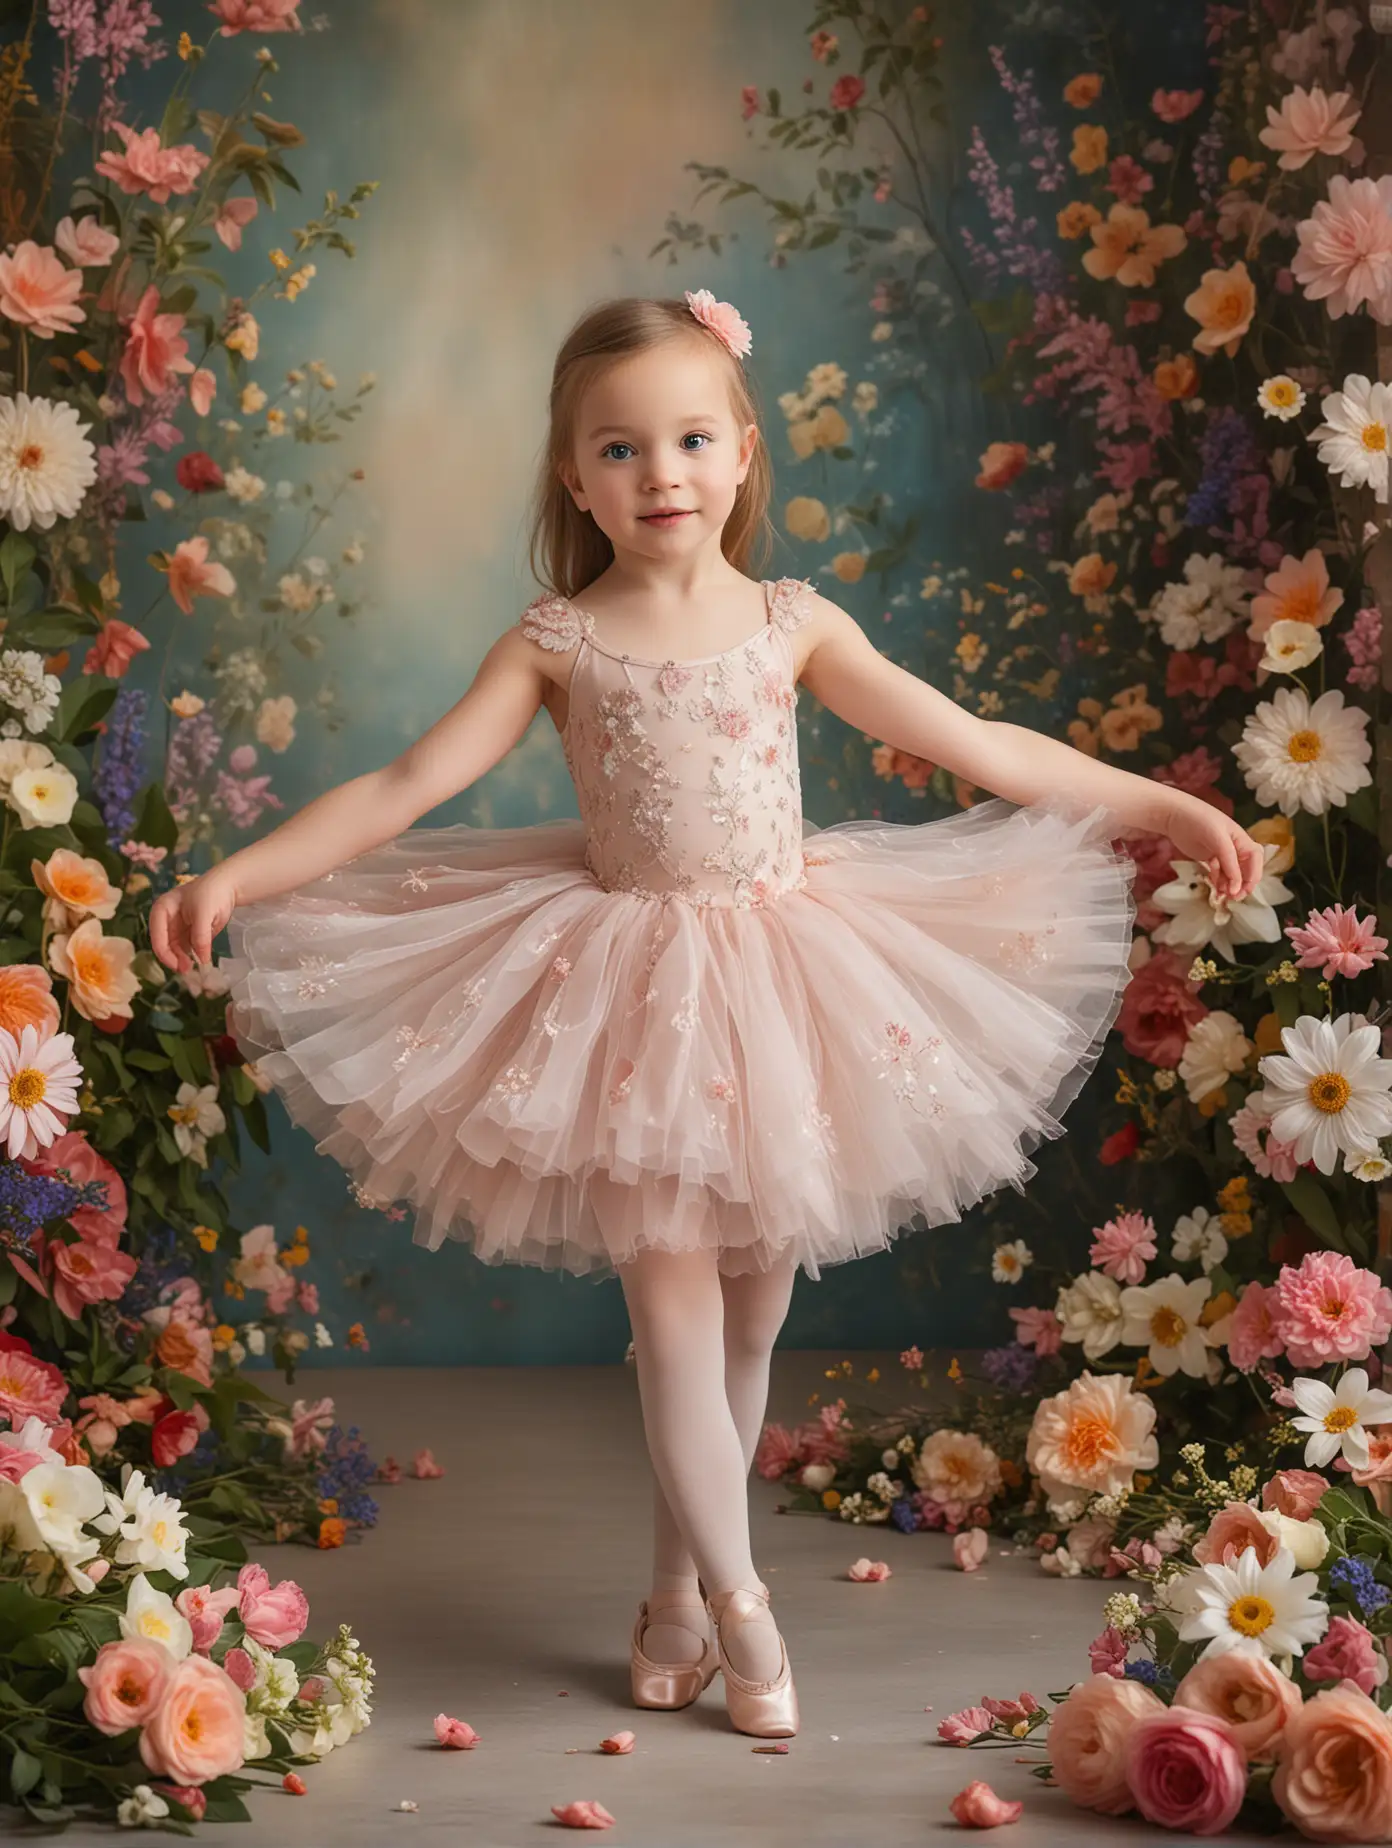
{"points": [[239, 1665], [271, 1615], [1186, 1770], [1334, 1778], [205, 1610], [194, 1800], [1347, 1649], [126, 1683], [868, 1571], [455, 1733], [198, 1730], [1233, 1529], [1294, 1492], [978, 1807], [1087, 1741], [1247, 1691]]}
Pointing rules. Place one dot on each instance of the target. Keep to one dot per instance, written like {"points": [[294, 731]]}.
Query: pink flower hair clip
{"points": [[722, 319]]}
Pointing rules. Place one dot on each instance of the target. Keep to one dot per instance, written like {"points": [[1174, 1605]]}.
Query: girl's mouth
{"points": [[665, 519]]}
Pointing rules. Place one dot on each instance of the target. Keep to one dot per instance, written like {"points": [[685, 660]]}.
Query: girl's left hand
{"points": [[1232, 859]]}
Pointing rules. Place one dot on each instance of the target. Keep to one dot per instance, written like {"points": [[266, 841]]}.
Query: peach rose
{"points": [[27, 1000], [1001, 463], [1087, 1741], [187, 1348], [76, 885], [1083, 90], [1334, 1778], [1176, 378], [98, 968], [1223, 305], [1233, 1529], [1089, 148], [126, 1683], [1186, 1770], [1247, 1691], [197, 1732], [1091, 574]]}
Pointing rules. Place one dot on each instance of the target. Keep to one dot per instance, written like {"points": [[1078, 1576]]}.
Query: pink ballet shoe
{"points": [[766, 1709], [670, 1684]]}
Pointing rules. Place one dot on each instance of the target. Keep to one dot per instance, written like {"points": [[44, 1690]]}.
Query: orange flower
{"points": [[98, 970], [1083, 91], [1223, 305], [1001, 463], [76, 887], [26, 999], [1091, 575], [1077, 218], [1129, 247], [1124, 726], [332, 1531], [1089, 147], [1177, 378], [1297, 591], [191, 575]]}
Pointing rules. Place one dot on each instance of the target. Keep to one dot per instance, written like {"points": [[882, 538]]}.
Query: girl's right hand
{"points": [[184, 920]]}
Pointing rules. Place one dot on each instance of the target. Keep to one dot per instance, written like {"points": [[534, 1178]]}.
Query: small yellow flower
{"points": [[1089, 147], [234, 1289], [206, 1237], [224, 1335], [954, 1371], [872, 1375], [831, 1498], [849, 566]]}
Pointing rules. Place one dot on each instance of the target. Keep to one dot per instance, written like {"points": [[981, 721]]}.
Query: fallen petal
{"points": [[770, 1748], [584, 1813], [978, 1807], [969, 1548], [868, 1571], [617, 1742], [294, 1783], [424, 1465], [408, 1803], [456, 1733]]}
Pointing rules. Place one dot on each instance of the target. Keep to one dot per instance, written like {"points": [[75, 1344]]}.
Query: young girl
{"points": [[687, 1039]]}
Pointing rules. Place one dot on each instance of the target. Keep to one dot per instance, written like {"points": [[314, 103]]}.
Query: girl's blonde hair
{"points": [[567, 549]]}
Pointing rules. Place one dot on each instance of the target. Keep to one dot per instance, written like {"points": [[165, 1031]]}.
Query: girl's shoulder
{"points": [[790, 602], [553, 621]]}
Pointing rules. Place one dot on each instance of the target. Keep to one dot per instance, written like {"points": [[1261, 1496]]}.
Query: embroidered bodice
{"points": [[686, 772]]}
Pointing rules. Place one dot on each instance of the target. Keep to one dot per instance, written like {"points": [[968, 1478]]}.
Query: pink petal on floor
{"points": [[868, 1571], [778, 1749], [584, 1813], [424, 1465], [969, 1549], [456, 1733], [978, 1807], [617, 1742]]}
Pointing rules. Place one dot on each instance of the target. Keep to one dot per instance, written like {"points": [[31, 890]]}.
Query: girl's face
{"points": [[656, 435]]}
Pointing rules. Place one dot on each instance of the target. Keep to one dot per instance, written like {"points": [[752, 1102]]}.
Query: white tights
{"points": [[702, 1342]]}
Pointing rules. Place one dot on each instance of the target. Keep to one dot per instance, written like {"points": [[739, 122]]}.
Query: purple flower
{"points": [[1010, 1368], [1030, 124], [120, 770], [1015, 254], [192, 752]]}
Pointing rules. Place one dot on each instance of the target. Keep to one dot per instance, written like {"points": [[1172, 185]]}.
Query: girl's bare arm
{"points": [[367, 810]]}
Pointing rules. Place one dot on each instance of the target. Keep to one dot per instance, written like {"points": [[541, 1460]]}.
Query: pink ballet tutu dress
{"points": [[689, 1018]]}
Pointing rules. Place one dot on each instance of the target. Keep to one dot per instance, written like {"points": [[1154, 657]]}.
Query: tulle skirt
{"points": [[473, 1028]]}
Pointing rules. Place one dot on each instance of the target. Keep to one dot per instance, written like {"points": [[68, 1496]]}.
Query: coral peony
{"points": [[198, 1731]]}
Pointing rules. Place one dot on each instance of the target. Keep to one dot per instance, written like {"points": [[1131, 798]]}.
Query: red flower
{"points": [[175, 1435], [846, 92], [1120, 1147], [198, 472]]}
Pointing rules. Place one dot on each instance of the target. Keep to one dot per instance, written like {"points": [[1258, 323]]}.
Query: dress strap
{"points": [[789, 601], [554, 622]]}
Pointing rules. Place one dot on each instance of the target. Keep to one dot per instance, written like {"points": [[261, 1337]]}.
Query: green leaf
{"points": [[16, 556], [1316, 1208], [21, 1613], [50, 630], [82, 702], [89, 593], [154, 823], [25, 1771], [189, 1057]]}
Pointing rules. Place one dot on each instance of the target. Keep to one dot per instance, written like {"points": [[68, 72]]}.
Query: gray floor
{"points": [[504, 1593]]}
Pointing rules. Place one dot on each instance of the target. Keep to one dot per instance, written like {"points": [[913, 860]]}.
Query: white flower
{"points": [[256, 1741], [1164, 1316], [1200, 1235], [38, 1089], [817, 1476], [322, 1337], [206, 979], [275, 723], [1353, 439], [1329, 1090], [1216, 1047], [154, 1614], [151, 1527], [18, 754], [1200, 916], [1336, 1417], [26, 686], [196, 1115], [1370, 1165], [1060, 1563], [46, 462], [1295, 755], [1009, 1261], [46, 1509], [1089, 1310], [1204, 606], [141, 1806], [1254, 1609], [1306, 1541], [1281, 397], [255, 1338], [45, 796], [1290, 646], [242, 486]]}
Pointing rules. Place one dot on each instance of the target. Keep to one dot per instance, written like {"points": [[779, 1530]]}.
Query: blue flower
{"points": [[1355, 1577], [903, 1515], [344, 1470]]}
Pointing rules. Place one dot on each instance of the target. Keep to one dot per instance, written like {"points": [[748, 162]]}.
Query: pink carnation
{"points": [[1340, 940], [1252, 1333], [1124, 1246], [1329, 1309], [256, 16], [1039, 1329], [148, 167], [1345, 254], [779, 1451]]}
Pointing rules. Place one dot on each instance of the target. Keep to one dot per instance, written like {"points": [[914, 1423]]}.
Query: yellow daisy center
{"points": [[1340, 1418], [1281, 392], [184, 1113], [1304, 747], [28, 1087], [1329, 1092], [1168, 1327], [1374, 436], [1250, 1615]]}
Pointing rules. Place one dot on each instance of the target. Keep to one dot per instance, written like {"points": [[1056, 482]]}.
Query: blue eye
{"points": [[608, 447], [704, 438]]}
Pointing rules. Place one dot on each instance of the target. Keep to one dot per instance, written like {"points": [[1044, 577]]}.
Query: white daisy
{"points": [[1215, 1048], [38, 1089], [1008, 1263], [1329, 1090], [151, 1527], [46, 462], [1089, 1311], [1164, 1316], [1254, 1609], [1337, 1417], [1295, 755], [1290, 646], [154, 1614], [1281, 397], [1198, 915], [1199, 1235], [1353, 439]]}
